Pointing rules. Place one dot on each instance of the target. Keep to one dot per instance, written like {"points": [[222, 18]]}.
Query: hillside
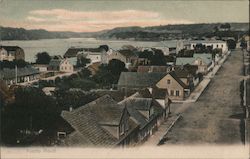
{"points": [[8, 33], [153, 33], [169, 31]]}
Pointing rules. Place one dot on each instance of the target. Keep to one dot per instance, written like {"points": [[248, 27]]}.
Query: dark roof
{"points": [[186, 71], [153, 68], [173, 74], [140, 79], [88, 120], [128, 53], [134, 113], [72, 52], [7, 73], [10, 48]]}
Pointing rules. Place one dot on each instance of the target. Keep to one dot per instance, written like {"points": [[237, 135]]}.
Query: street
{"points": [[217, 116]]}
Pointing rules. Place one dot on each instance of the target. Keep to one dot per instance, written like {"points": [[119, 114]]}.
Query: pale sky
{"points": [[96, 15]]}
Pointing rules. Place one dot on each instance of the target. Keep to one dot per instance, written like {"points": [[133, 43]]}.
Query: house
{"points": [[167, 47], [19, 75], [152, 68], [129, 57], [60, 64], [41, 67], [177, 89], [203, 61], [94, 54], [101, 123], [11, 53], [138, 80], [73, 52], [215, 44], [188, 74]]}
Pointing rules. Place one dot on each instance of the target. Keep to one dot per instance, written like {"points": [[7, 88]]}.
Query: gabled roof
{"points": [[7, 73], [72, 52], [140, 79], [173, 74], [134, 113], [207, 58], [88, 120]]}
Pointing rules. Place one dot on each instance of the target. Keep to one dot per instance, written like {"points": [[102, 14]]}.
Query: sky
{"points": [[97, 15]]}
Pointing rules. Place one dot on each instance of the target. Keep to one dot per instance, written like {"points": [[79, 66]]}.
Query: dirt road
{"points": [[216, 118]]}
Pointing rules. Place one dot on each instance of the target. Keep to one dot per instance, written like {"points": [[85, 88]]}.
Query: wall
{"points": [[174, 85]]}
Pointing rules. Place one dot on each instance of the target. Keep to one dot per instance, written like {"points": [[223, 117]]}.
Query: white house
{"points": [[61, 65], [167, 47], [216, 44]]}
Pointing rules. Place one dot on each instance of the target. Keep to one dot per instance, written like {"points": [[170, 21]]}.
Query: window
{"points": [[217, 46], [172, 92], [221, 46], [168, 81], [177, 93]]}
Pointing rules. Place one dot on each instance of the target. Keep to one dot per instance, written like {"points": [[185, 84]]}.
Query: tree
{"points": [[116, 67], [32, 110], [84, 73], [82, 61], [231, 44], [43, 58], [158, 58]]}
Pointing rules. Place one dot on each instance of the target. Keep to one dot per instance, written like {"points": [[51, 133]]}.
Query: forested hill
{"points": [[169, 31], [8, 33], [133, 33]]}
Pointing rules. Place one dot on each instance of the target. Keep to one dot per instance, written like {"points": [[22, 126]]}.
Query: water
{"points": [[60, 46]]}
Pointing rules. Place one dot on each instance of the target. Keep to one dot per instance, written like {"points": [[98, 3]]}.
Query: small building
{"points": [[188, 74], [215, 44], [61, 65], [101, 123], [177, 89], [41, 67], [73, 52], [10, 53], [203, 61], [19, 75], [129, 57], [96, 55], [167, 47], [138, 80]]}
